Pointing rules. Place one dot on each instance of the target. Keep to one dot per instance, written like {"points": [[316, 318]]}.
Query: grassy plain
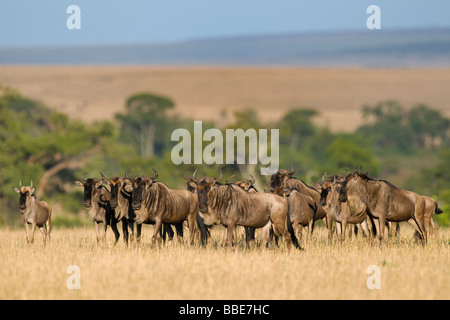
{"points": [[178, 271]]}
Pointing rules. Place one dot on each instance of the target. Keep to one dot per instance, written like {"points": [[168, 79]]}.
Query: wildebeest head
{"points": [[247, 185], [25, 195], [350, 182], [89, 185], [192, 182], [139, 183], [333, 184], [278, 178], [203, 189], [117, 185]]}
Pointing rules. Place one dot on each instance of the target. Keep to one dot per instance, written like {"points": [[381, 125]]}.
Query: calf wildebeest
{"points": [[302, 210], [230, 206], [385, 202], [153, 201], [354, 212], [34, 212], [96, 198], [284, 179]]}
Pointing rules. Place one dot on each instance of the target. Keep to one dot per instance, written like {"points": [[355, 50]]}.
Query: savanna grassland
{"points": [[179, 271]]}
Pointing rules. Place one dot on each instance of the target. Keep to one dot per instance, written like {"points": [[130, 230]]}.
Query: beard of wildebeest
{"points": [[203, 189], [23, 200], [114, 193]]}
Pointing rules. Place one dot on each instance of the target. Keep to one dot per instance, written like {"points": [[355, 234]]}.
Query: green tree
{"points": [[143, 121], [344, 154], [297, 126], [386, 127], [428, 126]]}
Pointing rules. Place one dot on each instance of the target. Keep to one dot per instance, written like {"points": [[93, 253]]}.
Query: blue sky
{"points": [[43, 22]]}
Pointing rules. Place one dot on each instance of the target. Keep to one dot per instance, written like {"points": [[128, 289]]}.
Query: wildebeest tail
{"points": [[292, 233], [438, 210]]}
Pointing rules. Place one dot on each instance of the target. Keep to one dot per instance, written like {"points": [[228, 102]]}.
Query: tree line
{"points": [[40, 144]]}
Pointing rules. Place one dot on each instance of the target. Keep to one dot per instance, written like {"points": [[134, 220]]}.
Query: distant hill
{"points": [[370, 48]]}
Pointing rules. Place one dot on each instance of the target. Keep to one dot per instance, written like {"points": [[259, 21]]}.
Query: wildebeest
{"points": [[153, 201], [354, 212], [191, 185], [120, 202], [230, 206], [284, 179], [96, 198], [302, 210], [34, 212], [385, 202]]}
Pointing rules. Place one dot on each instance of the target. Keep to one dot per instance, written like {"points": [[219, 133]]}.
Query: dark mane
{"points": [[293, 187], [367, 178]]}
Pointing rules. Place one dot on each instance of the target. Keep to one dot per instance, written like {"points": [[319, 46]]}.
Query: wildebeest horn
{"points": [[324, 176], [191, 178], [292, 170], [252, 179], [228, 180], [156, 174], [104, 177], [102, 195]]}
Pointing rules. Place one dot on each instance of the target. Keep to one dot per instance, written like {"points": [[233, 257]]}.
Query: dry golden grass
{"points": [[178, 271], [201, 93]]}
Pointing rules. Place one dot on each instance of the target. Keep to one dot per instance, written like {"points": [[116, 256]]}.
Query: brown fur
{"points": [[34, 213], [154, 202], [385, 202]]}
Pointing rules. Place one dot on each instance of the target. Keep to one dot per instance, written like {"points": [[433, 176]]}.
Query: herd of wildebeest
{"points": [[288, 207]]}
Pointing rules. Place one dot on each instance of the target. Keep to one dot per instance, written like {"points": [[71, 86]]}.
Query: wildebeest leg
{"points": [[179, 229], [138, 232], [166, 230], [382, 223], [265, 234], [231, 229], [310, 230], [416, 226], [97, 231], [115, 230], [130, 229], [378, 229], [27, 229], [339, 231], [125, 230], [48, 227], [364, 228], [279, 228], [33, 228], [44, 233], [249, 235], [191, 219], [156, 235]]}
